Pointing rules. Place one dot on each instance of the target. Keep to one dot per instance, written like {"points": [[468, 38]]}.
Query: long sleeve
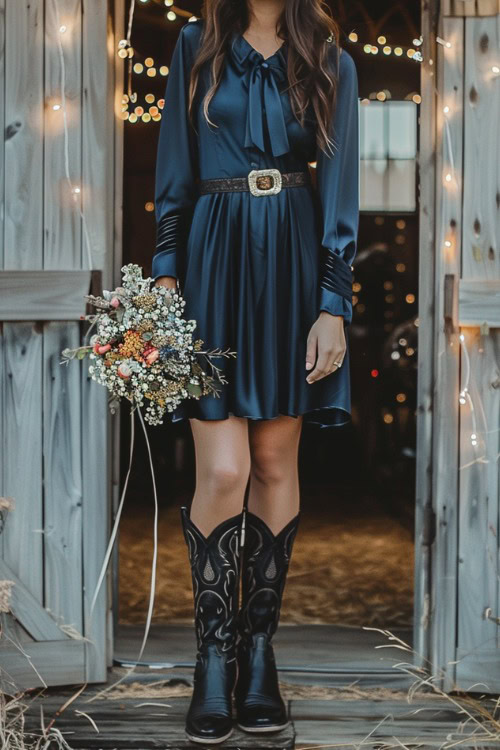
{"points": [[176, 161], [338, 191]]}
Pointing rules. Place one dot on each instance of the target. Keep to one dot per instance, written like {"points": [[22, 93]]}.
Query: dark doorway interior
{"points": [[353, 560]]}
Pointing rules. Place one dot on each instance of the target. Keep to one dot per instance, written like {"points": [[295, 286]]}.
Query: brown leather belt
{"points": [[258, 182]]}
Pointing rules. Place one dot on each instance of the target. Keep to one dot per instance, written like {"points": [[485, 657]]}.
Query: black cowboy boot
{"points": [[259, 705], [215, 571]]}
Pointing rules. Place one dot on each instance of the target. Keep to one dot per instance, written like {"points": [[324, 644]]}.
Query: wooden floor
{"points": [[308, 654], [132, 723], [351, 697]]}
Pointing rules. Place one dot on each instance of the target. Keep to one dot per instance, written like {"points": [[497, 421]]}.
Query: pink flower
{"points": [[115, 302], [102, 349], [124, 371], [151, 355]]}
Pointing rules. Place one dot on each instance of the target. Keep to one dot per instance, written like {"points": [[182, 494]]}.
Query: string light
{"points": [[74, 189], [373, 49], [465, 396], [443, 42]]}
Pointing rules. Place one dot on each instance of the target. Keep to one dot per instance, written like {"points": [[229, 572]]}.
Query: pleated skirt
{"points": [[250, 279]]}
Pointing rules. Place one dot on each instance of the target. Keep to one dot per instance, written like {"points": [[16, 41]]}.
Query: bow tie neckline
{"points": [[265, 108]]}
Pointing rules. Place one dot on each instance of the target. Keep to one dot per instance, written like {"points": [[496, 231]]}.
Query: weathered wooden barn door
{"points": [[57, 188], [457, 613]]}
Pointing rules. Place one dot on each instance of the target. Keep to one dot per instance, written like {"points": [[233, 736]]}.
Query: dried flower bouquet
{"points": [[143, 348]]}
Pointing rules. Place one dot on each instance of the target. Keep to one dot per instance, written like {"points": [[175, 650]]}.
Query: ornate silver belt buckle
{"points": [[264, 181]]}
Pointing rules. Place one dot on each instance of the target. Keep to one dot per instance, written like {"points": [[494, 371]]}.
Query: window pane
{"points": [[388, 146]]}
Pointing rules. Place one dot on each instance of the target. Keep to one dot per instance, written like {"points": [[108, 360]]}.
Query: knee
{"points": [[268, 465], [225, 478]]}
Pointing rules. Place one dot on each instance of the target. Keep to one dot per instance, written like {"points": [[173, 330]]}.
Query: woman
{"points": [[257, 90]]}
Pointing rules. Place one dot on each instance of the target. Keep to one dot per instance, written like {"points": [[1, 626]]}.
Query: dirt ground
{"points": [[354, 570]]}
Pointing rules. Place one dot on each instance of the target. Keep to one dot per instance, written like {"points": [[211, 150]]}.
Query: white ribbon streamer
{"points": [[109, 550]]}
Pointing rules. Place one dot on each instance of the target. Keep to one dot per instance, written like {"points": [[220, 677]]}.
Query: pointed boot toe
{"points": [[209, 729]]}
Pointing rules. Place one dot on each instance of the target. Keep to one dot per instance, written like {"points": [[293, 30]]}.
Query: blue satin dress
{"points": [[255, 271]]}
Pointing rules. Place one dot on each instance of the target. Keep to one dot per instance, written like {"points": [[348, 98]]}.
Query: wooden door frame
{"points": [[436, 491], [117, 8], [425, 518], [425, 514]]}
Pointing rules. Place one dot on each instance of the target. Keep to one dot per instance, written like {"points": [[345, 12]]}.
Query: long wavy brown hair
{"points": [[309, 29]]}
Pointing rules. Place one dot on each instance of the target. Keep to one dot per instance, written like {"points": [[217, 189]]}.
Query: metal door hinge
{"points": [[429, 526], [487, 614], [450, 302]]}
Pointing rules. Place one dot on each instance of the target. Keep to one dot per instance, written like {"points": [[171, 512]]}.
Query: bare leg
{"points": [[222, 470], [274, 482]]}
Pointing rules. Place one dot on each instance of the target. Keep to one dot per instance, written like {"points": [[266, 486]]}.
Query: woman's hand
{"points": [[326, 340], [170, 282]]}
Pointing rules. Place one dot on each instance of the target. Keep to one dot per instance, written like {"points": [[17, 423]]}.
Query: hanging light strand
{"points": [[74, 189], [129, 47], [388, 49]]}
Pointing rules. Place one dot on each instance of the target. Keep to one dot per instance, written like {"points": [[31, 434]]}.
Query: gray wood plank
{"points": [[425, 723], [479, 566], [125, 723], [43, 295], [95, 520], [449, 73], [114, 271], [62, 478], [24, 144], [25, 608], [316, 647], [159, 722], [21, 387], [426, 316], [62, 223], [98, 120], [477, 669], [43, 663], [98, 123], [2, 123], [471, 7], [479, 302]]}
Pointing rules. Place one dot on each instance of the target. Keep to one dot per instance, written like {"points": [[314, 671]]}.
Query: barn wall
{"points": [[54, 454], [458, 510], [478, 634], [471, 7]]}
